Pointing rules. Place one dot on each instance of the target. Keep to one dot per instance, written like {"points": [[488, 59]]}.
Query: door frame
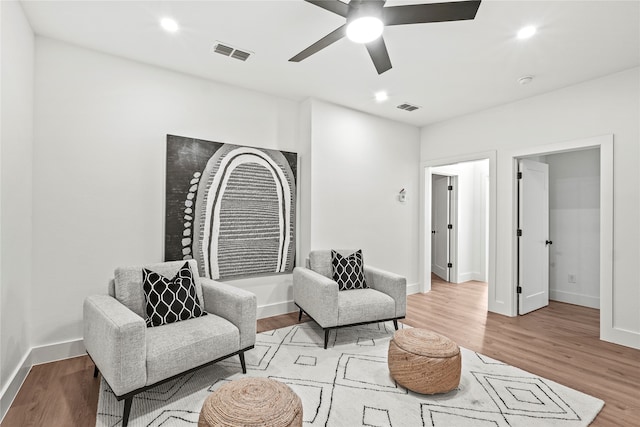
{"points": [[605, 143], [453, 220], [425, 215]]}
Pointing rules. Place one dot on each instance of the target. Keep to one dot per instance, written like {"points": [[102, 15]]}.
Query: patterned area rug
{"points": [[349, 385]]}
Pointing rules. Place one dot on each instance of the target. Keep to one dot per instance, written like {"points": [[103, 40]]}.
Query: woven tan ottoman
{"points": [[252, 402], [423, 361]]}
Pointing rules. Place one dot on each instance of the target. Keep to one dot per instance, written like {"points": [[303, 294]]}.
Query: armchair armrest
{"points": [[236, 305], [114, 337], [317, 295], [391, 284]]}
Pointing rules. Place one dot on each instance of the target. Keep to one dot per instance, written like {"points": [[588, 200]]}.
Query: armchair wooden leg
{"points": [[395, 324], [300, 315], [242, 362], [127, 411], [326, 338], [95, 371]]}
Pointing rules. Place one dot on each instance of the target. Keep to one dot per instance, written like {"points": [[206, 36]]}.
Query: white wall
{"points": [[304, 174], [99, 170], [574, 227], [359, 165], [606, 105], [480, 225], [471, 235], [16, 77]]}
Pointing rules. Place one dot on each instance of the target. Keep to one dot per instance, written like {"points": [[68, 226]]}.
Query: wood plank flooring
{"points": [[559, 342]]}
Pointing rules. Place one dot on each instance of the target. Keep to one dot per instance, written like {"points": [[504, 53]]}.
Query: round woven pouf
{"points": [[424, 362], [251, 402]]}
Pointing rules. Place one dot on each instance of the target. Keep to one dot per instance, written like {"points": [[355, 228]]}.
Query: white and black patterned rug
{"points": [[349, 385]]}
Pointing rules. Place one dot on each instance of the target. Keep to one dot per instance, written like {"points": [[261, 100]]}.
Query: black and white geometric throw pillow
{"points": [[348, 271], [170, 300]]}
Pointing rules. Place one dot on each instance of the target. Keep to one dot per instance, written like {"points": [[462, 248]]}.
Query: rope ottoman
{"points": [[423, 361], [250, 402]]}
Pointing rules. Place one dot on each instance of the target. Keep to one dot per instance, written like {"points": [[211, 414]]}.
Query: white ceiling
{"points": [[448, 69]]}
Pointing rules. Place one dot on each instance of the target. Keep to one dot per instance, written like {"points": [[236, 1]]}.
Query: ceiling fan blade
{"points": [[431, 12], [335, 6], [330, 38], [379, 55]]}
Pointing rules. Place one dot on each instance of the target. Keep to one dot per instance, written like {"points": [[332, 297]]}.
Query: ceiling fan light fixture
{"points": [[365, 29], [366, 19]]}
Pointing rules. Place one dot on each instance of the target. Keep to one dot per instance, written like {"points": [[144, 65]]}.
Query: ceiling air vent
{"points": [[222, 49], [408, 107], [241, 55], [226, 50]]}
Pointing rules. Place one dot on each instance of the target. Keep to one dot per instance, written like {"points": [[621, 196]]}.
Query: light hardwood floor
{"points": [[559, 342]]}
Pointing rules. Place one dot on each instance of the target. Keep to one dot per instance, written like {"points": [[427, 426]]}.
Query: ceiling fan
{"points": [[366, 20]]}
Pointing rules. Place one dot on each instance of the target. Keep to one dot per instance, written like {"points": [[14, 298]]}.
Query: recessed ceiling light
{"points": [[169, 25], [381, 96], [526, 32]]}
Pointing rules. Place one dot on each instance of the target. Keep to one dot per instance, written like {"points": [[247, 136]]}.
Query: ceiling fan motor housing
{"points": [[361, 9]]}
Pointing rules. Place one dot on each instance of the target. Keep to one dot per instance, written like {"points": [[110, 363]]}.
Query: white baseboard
{"points": [[470, 275], [275, 309], [621, 336], [413, 288], [478, 276], [464, 277], [12, 387], [573, 298], [58, 351]]}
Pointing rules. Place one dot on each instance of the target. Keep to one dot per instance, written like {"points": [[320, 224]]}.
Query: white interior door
{"points": [[439, 222], [533, 230]]}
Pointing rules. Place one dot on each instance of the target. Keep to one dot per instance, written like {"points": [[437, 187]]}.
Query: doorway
{"points": [[558, 229], [459, 221], [604, 143], [442, 225]]}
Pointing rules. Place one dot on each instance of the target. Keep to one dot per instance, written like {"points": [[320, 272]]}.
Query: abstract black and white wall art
{"points": [[232, 208]]}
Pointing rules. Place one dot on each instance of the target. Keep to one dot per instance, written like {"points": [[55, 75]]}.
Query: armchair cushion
{"points": [[180, 346], [170, 300], [364, 305], [347, 271], [128, 283]]}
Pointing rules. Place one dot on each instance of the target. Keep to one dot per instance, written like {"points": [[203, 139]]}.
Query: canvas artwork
{"points": [[230, 207]]}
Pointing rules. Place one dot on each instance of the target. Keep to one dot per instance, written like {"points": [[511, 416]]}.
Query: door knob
{"points": [[548, 242]]}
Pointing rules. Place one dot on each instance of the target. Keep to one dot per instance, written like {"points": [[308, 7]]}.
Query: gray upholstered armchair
{"points": [[133, 358], [316, 293]]}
